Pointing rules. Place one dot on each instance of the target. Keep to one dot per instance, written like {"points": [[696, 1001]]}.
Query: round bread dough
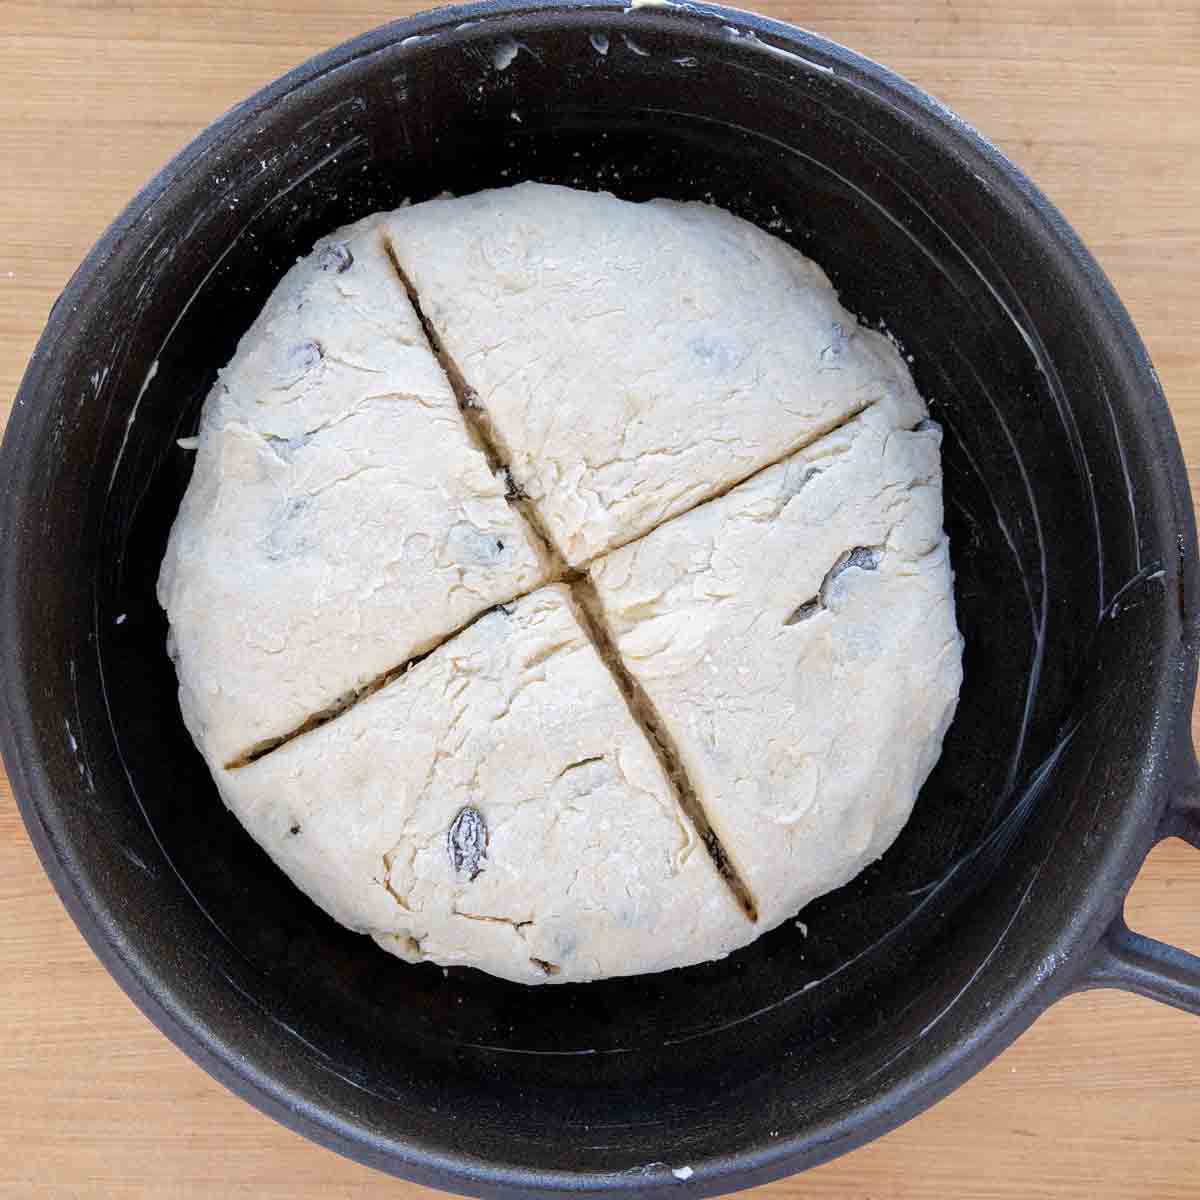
{"points": [[598, 637]]}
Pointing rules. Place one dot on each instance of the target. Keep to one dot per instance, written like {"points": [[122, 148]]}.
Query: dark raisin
{"points": [[809, 608], [512, 490], [335, 257], [836, 349], [295, 829], [865, 558], [793, 486], [304, 356], [466, 842]]}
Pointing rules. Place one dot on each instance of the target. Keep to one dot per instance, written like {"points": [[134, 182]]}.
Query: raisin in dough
{"points": [[634, 359], [339, 519], [587, 868], [797, 638]]}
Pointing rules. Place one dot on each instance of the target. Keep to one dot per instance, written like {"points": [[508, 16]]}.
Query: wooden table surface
{"points": [[1099, 100]]}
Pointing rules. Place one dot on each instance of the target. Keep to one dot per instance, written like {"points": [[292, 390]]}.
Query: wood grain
{"points": [[1098, 100]]}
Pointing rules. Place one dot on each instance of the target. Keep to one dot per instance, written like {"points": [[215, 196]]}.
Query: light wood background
{"points": [[1099, 100]]}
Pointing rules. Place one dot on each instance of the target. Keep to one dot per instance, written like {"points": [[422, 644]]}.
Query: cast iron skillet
{"points": [[1076, 581]]}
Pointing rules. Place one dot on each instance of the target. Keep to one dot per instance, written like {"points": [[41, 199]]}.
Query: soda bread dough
{"points": [[660, 377]]}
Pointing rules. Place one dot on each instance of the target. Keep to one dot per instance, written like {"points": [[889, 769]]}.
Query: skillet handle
{"points": [[1136, 963]]}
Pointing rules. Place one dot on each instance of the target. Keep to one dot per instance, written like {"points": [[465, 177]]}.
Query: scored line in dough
{"points": [[480, 428], [586, 604]]}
